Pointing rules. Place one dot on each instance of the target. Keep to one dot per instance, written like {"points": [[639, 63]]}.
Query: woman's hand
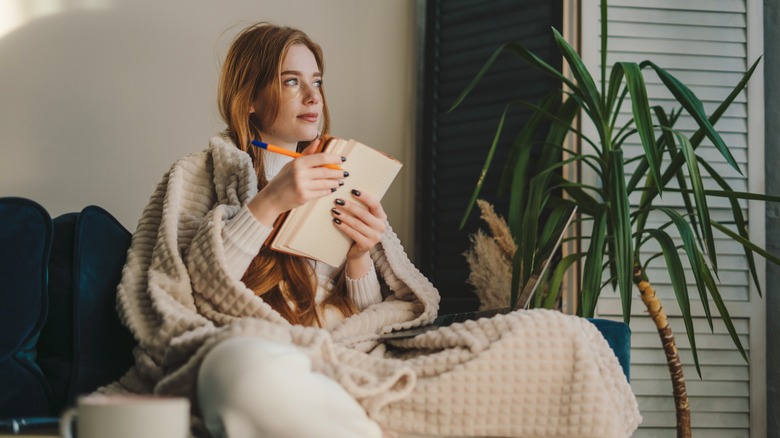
{"points": [[363, 219], [299, 181]]}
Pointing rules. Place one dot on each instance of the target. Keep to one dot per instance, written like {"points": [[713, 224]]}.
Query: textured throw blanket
{"points": [[528, 373]]}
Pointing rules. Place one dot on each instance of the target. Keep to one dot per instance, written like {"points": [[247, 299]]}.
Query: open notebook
{"points": [[308, 230], [547, 252]]}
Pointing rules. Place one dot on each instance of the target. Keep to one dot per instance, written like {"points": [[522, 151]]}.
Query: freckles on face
{"points": [[300, 101]]}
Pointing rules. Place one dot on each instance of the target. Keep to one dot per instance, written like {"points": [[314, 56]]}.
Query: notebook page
{"points": [[369, 171]]}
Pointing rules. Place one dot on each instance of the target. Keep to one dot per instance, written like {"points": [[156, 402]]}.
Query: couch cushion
{"points": [[25, 240], [103, 346], [84, 346], [55, 347]]}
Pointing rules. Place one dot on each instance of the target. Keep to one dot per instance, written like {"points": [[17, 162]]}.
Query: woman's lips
{"points": [[309, 117]]}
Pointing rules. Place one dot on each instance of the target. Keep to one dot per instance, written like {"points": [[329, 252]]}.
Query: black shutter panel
{"points": [[460, 35]]}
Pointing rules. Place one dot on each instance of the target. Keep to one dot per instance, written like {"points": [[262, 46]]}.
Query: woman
{"points": [[280, 100], [266, 344]]}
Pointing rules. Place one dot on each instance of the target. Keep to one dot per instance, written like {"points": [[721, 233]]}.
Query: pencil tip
{"points": [[260, 144]]}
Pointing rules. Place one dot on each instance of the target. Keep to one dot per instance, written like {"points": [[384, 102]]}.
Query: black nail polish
{"points": [[337, 220], [333, 190], [341, 183], [356, 192], [346, 174], [343, 159], [340, 201], [335, 211]]}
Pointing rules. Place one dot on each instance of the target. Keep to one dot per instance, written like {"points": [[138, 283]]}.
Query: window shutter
{"points": [[704, 43], [460, 36]]}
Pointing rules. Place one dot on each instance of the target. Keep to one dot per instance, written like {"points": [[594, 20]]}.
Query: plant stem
{"points": [[657, 313]]}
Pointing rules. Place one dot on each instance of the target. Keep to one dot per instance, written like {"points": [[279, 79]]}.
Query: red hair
{"points": [[252, 69]]}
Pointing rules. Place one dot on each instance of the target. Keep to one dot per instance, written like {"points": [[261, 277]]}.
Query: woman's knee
{"points": [[253, 387], [241, 385]]}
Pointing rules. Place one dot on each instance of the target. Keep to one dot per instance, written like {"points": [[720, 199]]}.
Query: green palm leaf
{"points": [[592, 271], [702, 210], [621, 229], [525, 226], [615, 79], [485, 167], [678, 160], [694, 256], [527, 56], [641, 169], [739, 219], [516, 172], [682, 183], [746, 243], [588, 90], [557, 278], [677, 276], [721, 305], [695, 108], [729, 194], [642, 116]]}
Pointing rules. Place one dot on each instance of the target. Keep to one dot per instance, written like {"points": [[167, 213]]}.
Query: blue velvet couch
{"points": [[59, 331]]}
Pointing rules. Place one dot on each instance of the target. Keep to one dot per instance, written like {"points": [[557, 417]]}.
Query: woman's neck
{"points": [[276, 141]]}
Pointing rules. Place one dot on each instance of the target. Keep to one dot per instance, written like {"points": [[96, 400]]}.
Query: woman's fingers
{"points": [[304, 179], [372, 203], [362, 221], [313, 147], [364, 241], [308, 173], [353, 222], [319, 159]]}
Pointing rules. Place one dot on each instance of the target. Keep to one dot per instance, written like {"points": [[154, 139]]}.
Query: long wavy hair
{"points": [[252, 70]]}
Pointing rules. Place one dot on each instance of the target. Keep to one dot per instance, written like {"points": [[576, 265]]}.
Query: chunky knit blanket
{"points": [[525, 374]]}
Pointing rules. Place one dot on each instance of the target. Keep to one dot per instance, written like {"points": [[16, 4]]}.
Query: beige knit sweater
{"points": [[529, 373]]}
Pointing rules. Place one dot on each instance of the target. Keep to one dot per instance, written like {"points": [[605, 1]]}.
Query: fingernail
{"points": [[341, 183], [346, 174], [335, 211], [337, 220], [355, 192], [333, 190], [343, 159], [339, 201]]}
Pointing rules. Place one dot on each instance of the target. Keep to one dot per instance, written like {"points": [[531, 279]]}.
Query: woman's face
{"points": [[300, 100]]}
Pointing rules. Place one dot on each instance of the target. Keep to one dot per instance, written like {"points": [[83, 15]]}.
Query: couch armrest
{"points": [[25, 241]]}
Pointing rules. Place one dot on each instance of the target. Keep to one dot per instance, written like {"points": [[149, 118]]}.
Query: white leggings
{"points": [[251, 388]]}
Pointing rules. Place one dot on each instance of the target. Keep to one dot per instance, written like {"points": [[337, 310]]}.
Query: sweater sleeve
{"points": [[365, 291], [243, 236]]}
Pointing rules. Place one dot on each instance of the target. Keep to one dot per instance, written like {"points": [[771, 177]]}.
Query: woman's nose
{"points": [[311, 94]]}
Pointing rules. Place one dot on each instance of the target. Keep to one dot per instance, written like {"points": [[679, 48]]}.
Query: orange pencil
{"points": [[283, 151]]}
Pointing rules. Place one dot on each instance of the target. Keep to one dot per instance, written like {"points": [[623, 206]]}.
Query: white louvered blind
{"points": [[704, 43]]}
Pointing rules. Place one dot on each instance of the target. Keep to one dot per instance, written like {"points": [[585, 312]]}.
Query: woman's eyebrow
{"points": [[297, 73]]}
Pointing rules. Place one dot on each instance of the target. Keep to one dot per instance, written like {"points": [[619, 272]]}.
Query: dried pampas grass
{"points": [[490, 260], [498, 228]]}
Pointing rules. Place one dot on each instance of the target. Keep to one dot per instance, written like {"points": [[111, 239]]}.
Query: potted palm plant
{"points": [[618, 227]]}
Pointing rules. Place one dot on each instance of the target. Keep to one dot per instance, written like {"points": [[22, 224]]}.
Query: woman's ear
{"points": [[252, 109]]}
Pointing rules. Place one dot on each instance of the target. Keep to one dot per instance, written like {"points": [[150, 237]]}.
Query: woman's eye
{"points": [[318, 84], [291, 81]]}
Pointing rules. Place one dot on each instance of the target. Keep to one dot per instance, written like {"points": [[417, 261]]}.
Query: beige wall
{"points": [[99, 97]]}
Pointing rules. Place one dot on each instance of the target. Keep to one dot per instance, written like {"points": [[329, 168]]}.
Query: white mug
{"points": [[127, 416]]}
